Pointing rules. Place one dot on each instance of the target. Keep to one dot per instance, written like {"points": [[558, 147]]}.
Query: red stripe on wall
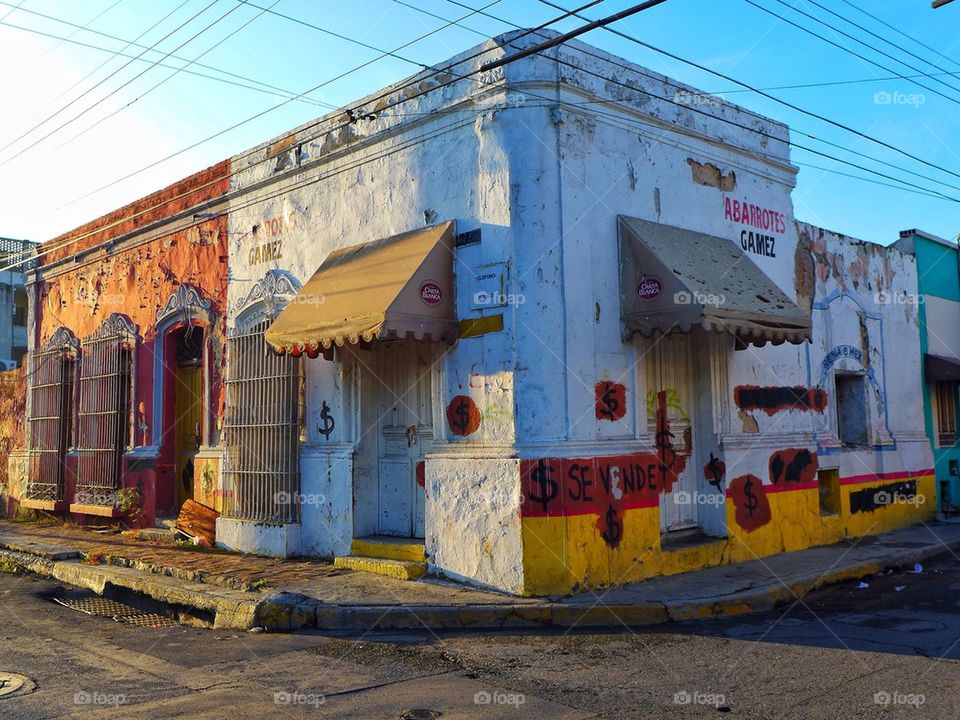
{"points": [[878, 477]]}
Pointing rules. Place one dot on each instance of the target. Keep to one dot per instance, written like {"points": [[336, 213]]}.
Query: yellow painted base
{"points": [[400, 569], [389, 548], [567, 554]]}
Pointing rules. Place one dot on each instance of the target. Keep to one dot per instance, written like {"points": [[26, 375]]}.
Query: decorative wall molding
{"points": [[115, 326], [186, 300], [273, 291], [62, 340]]}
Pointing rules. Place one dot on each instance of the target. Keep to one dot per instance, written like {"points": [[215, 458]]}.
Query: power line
{"points": [[900, 47], [12, 10], [774, 98], [75, 239], [119, 53], [88, 91], [553, 42], [901, 32], [859, 42], [731, 122], [87, 24], [133, 43], [171, 75], [113, 55], [404, 97], [350, 112]]}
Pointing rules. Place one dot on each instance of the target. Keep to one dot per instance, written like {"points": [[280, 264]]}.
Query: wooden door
{"points": [[670, 383], [405, 435]]}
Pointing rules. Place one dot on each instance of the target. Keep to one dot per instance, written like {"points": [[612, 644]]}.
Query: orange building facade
{"points": [[125, 378]]}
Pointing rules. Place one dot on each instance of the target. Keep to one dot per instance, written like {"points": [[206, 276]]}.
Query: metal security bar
{"points": [[106, 410], [261, 430], [51, 388]]}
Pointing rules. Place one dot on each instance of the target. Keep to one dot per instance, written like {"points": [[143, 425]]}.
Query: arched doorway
{"points": [[186, 345]]}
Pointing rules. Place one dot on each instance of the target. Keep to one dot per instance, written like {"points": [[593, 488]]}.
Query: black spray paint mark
{"points": [[870, 498]]}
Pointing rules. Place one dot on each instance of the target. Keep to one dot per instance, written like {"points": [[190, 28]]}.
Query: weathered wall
{"points": [[131, 262], [13, 394], [772, 443], [324, 187]]}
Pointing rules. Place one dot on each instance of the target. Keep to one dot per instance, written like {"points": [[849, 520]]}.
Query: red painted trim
{"points": [[881, 477], [787, 487], [852, 480]]}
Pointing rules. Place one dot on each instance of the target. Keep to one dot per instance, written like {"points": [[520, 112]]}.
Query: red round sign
{"points": [[431, 293], [649, 287]]}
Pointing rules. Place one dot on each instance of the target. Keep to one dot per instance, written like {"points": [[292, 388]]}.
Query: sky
{"points": [[95, 91]]}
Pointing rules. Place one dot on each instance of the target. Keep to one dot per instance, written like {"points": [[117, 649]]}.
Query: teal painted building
{"points": [[938, 300]]}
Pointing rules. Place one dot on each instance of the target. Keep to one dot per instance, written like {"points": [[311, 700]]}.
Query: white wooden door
{"points": [[406, 434], [670, 384]]}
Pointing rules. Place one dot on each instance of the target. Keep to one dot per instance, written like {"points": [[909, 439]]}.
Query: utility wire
{"points": [[553, 42], [91, 89], [171, 75], [118, 53], [263, 87], [128, 43], [419, 79], [859, 42], [902, 33], [474, 10], [87, 24], [722, 119], [898, 46], [12, 10], [774, 98], [403, 97], [350, 112]]}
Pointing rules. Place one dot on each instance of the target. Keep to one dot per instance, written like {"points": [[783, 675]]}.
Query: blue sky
{"points": [[138, 125]]}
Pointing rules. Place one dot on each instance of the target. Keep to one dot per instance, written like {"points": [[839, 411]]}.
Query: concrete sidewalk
{"points": [[242, 592]]}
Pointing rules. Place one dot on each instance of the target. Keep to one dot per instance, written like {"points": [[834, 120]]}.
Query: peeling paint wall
{"points": [[131, 262], [322, 187], [13, 396]]}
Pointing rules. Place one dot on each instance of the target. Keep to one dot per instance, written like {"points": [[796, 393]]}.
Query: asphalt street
{"points": [[890, 649]]}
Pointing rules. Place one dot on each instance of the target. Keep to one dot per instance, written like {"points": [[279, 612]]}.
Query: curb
{"points": [[226, 608]]}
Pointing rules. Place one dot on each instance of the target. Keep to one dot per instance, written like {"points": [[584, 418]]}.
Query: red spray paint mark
{"points": [[421, 473], [793, 466], [611, 400], [715, 471], [604, 486], [772, 400], [463, 415], [750, 501], [672, 463]]}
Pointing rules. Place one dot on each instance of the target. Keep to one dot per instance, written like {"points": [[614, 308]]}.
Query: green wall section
{"points": [[939, 275]]}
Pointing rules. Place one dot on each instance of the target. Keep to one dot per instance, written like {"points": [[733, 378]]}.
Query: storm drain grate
{"points": [[104, 607]]}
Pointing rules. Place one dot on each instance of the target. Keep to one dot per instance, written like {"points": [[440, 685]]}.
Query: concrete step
{"points": [[400, 569], [155, 534], [165, 523], [389, 548]]}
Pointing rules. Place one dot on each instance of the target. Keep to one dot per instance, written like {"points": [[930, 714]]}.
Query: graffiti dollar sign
{"points": [[461, 416], [751, 503], [541, 480], [610, 402], [326, 421], [614, 530]]}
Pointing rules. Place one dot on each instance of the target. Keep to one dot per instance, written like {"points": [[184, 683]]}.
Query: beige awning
{"points": [[399, 286], [672, 280]]}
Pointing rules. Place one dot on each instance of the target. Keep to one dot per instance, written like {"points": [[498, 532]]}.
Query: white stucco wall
{"points": [[541, 156]]}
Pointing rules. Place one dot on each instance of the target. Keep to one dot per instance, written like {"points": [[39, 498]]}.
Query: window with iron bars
{"points": [[946, 413], [106, 410], [261, 430], [51, 388]]}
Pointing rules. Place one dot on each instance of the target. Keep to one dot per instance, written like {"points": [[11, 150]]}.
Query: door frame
{"points": [[368, 450]]}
